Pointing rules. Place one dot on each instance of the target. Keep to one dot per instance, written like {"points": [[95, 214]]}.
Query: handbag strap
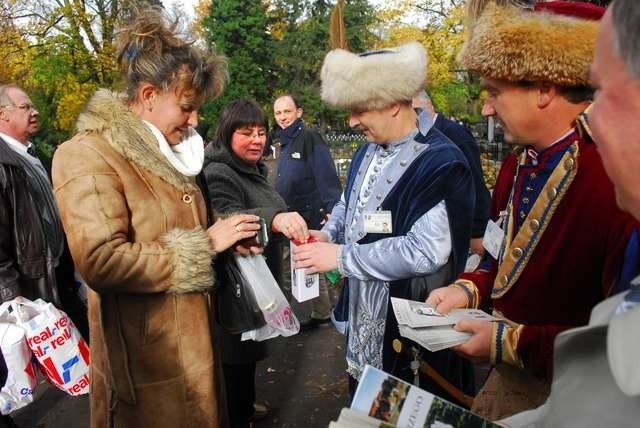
{"points": [[5, 312]]}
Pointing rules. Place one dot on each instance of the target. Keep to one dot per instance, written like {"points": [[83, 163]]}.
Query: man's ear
{"points": [[394, 109], [299, 112], [546, 93]]}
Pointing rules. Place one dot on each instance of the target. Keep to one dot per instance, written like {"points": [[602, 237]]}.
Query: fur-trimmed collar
{"points": [[106, 113]]}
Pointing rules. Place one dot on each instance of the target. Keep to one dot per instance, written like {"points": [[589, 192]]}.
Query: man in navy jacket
{"points": [[308, 182]]}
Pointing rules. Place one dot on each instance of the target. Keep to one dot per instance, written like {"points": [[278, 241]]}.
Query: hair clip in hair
{"points": [[131, 53]]}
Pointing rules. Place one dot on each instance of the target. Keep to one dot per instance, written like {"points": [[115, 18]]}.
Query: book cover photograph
{"points": [[397, 403]]}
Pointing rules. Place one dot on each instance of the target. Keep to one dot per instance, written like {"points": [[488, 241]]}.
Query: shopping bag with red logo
{"points": [[19, 388], [56, 343]]}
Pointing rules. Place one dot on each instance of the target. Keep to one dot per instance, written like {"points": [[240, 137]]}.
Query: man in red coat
{"points": [[556, 237]]}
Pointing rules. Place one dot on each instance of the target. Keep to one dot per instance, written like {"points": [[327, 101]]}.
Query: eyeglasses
{"points": [[252, 134], [25, 107]]}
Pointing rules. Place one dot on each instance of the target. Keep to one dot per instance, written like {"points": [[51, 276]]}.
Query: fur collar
{"points": [[107, 114]]}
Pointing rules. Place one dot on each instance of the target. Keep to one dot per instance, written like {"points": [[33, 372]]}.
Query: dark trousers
{"points": [[352, 385], [241, 392]]}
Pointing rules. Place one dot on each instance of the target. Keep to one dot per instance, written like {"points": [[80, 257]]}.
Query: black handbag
{"points": [[236, 308]]}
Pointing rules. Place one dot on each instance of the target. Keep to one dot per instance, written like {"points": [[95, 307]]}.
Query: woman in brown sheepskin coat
{"points": [[136, 221]]}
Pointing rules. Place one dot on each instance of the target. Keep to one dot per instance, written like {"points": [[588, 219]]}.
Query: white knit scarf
{"points": [[187, 156]]}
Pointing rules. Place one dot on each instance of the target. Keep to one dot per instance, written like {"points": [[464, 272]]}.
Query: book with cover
{"points": [[392, 402]]}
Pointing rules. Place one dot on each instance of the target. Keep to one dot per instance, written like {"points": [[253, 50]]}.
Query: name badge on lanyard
{"points": [[377, 222], [494, 236]]}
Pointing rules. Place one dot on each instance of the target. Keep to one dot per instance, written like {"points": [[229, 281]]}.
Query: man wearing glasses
{"points": [[34, 261], [31, 236]]}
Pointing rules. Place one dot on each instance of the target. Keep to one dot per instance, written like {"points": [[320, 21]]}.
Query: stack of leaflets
{"points": [[421, 323], [382, 400]]}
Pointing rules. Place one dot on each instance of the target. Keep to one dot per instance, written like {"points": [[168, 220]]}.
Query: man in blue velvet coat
{"points": [[403, 224]]}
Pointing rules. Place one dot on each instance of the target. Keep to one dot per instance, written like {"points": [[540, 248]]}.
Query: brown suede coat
{"points": [[135, 227]]}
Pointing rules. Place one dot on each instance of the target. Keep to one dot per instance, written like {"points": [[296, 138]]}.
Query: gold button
{"points": [[552, 193], [504, 280], [568, 164], [186, 198], [397, 345], [534, 225], [516, 252], [533, 176]]}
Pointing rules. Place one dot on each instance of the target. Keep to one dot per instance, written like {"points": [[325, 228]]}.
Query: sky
{"points": [[188, 5]]}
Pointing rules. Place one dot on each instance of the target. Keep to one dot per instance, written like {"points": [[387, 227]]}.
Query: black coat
{"points": [[23, 247], [462, 138], [23, 264], [236, 187]]}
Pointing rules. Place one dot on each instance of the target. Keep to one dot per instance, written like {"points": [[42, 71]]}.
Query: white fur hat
{"points": [[373, 80]]}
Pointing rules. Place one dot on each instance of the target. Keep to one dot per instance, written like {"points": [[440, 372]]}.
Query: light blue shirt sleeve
{"points": [[334, 228], [424, 249]]}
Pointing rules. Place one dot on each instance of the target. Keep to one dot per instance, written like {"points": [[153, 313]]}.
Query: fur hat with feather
{"points": [[373, 80], [508, 40]]}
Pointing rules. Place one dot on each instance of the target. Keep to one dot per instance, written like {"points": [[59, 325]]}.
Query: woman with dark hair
{"points": [[138, 229], [237, 182]]}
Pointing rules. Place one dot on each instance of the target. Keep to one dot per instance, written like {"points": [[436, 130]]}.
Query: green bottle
{"points": [[333, 276]]}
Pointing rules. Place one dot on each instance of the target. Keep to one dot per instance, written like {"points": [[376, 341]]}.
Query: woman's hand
{"points": [[291, 225], [248, 251], [226, 232]]}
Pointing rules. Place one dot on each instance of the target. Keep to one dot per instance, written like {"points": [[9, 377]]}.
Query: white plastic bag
{"points": [[19, 388], [56, 343], [281, 321]]}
